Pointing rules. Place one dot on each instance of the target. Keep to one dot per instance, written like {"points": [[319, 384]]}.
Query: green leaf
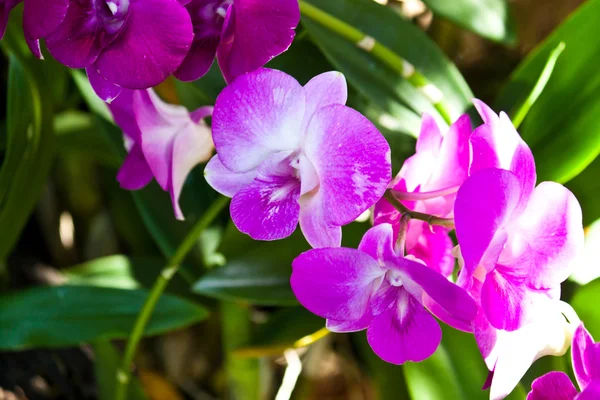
{"points": [[122, 272], [29, 150], [106, 363], [488, 18], [585, 302], [255, 272], [561, 128], [78, 133], [376, 81], [434, 378], [69, 315]]}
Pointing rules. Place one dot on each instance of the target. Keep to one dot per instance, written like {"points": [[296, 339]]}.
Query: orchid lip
{"points": [[394, 278]]}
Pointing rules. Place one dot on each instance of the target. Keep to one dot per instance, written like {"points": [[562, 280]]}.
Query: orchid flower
{"points": [[243, 34], [377, 289], [165, 141], [40, 18], [120, 42], [520, 240], [586, 366], [289, 154], [428, 182]]}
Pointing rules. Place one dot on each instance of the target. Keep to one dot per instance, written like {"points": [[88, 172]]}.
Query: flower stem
{"points": [[124, 371], [381, 53], [430, 219]]}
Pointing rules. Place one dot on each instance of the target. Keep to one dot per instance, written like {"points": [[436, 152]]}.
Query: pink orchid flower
{"points": [[166, 141], [289, 154], [428, 182], [375, 288]]}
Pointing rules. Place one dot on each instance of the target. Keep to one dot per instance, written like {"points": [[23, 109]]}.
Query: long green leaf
{"points": [[29, 151], [69, 315], [376, 81], [489, 18], [561, 127]]}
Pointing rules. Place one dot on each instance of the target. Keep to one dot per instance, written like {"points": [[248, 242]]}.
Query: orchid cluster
{"points": [[291, 155], [117, 42]]}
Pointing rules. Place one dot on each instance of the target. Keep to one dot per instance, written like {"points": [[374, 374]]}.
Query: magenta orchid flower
{"points": [[289, 154], [520, 239], [585, 355], [428, 182], [243, 34], [165, 141], [375, 288], [120, 42], [40, 18]]}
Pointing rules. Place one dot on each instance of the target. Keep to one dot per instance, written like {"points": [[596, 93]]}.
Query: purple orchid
{"points": [[521, 240], [40, 18], [585, 355], [428, 182], [289, 154], [243, 34], [118, 41], [165, 141], [377, 289]]}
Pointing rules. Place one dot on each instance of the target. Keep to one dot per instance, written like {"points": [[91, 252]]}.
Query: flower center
{"points": [[112, 14], [394, 278]]}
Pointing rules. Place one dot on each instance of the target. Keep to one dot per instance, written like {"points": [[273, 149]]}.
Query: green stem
{"points": [[539, 85], [124, 371], [381, 53], [430, 219]]}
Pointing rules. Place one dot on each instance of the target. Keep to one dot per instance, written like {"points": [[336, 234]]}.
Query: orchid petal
{"points": [[159, 123], [106, 90], [432, 245], [591, 392], [484, 206], [417, 277], [378, 242], [336, 284], [323, 90], [135, 172], [316, 230], [224, 181], [256, 116], [512, 353], [192, 146], [268, 209], [404, 332], [207, 28], [352, 160], [255, 31], [77, 41], [586, 357], [549, 235], [40, 18], [140, 57], [497, 144], [552, 386]]}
